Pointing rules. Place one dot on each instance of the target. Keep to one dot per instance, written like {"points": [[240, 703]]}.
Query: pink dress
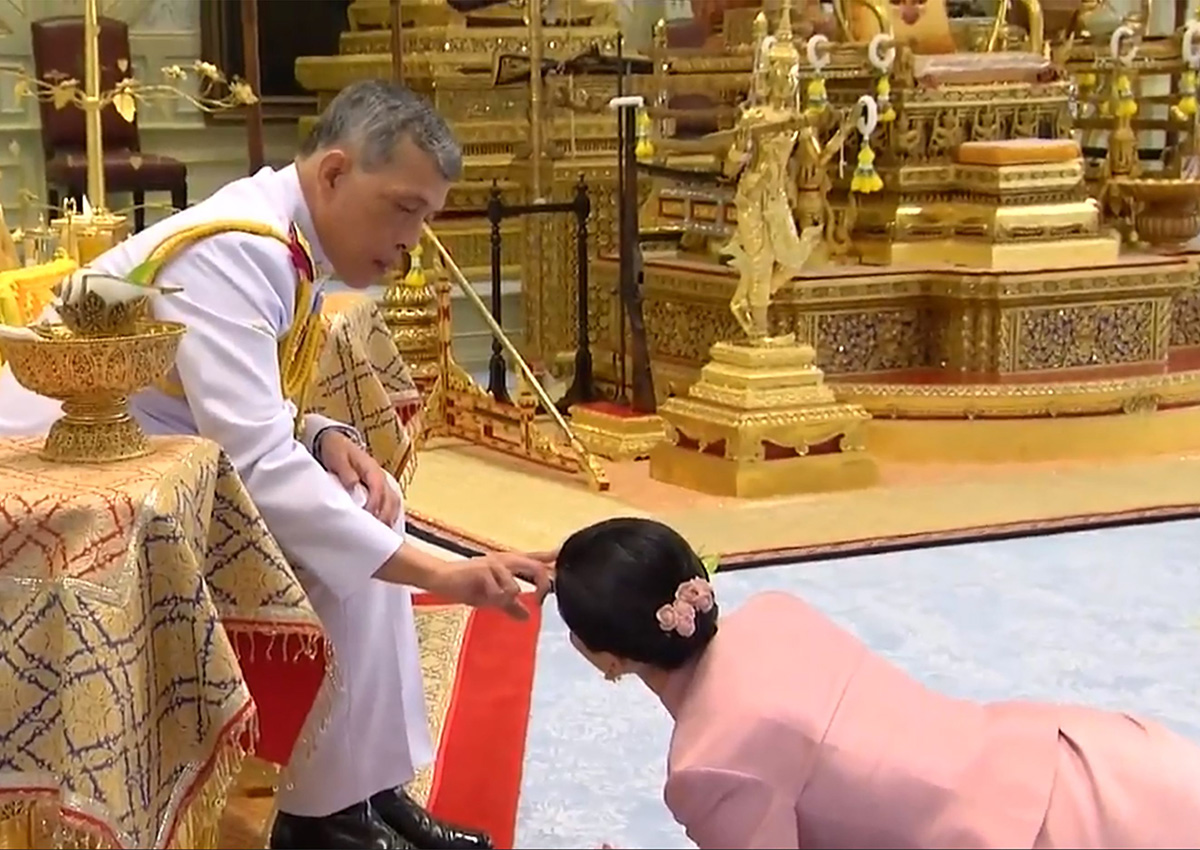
{"points": [[790, 732]]}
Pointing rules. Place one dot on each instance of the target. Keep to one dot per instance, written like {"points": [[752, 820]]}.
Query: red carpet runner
{"points": [[477, 774]]}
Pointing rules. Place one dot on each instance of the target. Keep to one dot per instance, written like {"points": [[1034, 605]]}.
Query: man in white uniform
{"points": [[378, 163]]}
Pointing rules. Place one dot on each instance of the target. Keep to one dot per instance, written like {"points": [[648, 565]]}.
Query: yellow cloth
{"points": [[361, 377], [123, 589], [25, 292]]}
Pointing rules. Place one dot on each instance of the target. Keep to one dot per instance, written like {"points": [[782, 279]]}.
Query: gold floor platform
{"points": [[515, 505], [1014, 421]]}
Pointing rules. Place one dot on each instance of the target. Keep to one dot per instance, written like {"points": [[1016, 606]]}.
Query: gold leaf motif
{"points": [[63, 94], [242, 93], [125, 104], [122, 65], [21, 89], [135, 162]]}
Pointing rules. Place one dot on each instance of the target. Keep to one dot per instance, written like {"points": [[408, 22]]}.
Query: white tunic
{"points": [[238, 299]]}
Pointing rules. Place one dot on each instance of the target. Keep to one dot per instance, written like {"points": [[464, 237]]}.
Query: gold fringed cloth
{"points": [[364, 382], [125, 590]]}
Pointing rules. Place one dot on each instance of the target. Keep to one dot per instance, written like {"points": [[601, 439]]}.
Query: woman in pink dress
{"points": [[790, 732]]}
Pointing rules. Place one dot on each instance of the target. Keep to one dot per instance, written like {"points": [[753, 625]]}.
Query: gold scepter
{"points": [[595, 474]]}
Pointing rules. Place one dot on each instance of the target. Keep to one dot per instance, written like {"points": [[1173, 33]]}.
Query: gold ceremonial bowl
{"points": [[93, 377], [1166, 210]]}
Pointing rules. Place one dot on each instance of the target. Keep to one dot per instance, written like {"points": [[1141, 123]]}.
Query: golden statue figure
{"points": [[766, 248]]}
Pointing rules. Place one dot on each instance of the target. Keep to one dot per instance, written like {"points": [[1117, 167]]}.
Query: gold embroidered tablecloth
{"points": [[123, 590], [362, 380]]}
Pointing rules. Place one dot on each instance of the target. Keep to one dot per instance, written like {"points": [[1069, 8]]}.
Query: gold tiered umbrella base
{"points": [[94, 378]]}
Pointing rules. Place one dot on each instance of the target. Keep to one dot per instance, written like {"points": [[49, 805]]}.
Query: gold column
{"points": [[536, 52], [91, 104]]}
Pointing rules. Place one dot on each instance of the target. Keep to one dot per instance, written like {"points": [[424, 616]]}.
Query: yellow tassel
{"points": [[644, 148], [817, 97], [1186, 107], [415, 276], [1126, 106], [1086, 81], [866, 179], [883, 96]]}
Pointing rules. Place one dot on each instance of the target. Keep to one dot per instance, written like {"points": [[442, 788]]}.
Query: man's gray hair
{"points": [[376, 116]]}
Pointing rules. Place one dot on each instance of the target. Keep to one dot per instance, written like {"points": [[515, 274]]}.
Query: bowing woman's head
{"points": [[634, 596]]}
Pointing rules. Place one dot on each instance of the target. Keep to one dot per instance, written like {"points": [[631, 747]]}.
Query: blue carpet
{"points": [[1108, 618]]}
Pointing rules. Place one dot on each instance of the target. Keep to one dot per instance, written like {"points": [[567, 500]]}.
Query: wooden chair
{"points": [[58, 49]]}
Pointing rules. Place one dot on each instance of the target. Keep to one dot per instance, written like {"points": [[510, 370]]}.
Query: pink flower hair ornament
{"points": [[679, 615]]}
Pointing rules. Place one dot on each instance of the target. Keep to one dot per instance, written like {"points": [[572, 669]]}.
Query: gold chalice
{"points": [[93, 376], [1166, 211]]}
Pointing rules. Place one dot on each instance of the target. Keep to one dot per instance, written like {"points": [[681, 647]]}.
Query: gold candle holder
{"points": [[89, 233]]}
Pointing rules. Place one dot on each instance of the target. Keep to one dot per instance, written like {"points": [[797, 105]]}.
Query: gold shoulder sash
{"points": [[300, 347]]}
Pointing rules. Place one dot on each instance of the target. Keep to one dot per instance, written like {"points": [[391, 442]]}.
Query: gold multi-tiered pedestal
{"points": [[761, 422], [615, 432]]}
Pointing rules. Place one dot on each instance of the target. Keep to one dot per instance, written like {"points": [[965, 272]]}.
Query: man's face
{"points": [[366, 220]]}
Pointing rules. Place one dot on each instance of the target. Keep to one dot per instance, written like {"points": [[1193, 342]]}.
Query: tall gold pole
{"points": [[536, 51], [91, 105]]}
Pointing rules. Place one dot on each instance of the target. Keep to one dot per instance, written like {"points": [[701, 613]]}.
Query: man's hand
{"points": [[353, 465], [549, 559], [491, 581]]}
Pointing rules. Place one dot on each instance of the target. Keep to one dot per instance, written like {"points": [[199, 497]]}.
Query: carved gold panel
{"points": [[1086, 335]]}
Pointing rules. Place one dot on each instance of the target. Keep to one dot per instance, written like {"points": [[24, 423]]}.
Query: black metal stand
{"points": [[497, 367], [641, 381], [583, 388]]}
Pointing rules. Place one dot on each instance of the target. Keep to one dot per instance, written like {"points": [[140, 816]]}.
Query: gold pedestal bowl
{"points": [[93, 377], [1166, 211]]}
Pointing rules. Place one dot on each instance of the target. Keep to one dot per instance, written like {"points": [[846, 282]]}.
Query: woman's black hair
{"points": [[610, 580]]}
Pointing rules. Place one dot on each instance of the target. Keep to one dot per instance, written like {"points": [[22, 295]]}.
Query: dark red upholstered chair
{"points": [[58, 50]]}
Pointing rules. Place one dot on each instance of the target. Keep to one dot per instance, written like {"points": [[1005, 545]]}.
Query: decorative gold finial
{"points": [[760, 29], [660, 33], [783, 32]]}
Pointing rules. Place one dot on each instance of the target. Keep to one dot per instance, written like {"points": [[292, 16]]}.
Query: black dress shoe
{"points": [[357, 827], [407, 817]]}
